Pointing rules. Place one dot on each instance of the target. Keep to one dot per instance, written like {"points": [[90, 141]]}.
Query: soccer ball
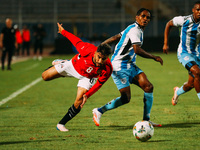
{"points": [[143, 130]]}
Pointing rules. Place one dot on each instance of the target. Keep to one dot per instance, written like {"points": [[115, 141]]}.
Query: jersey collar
{"points": [[139, 26], [194, 20]]}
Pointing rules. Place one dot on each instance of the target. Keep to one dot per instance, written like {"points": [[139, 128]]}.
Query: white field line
{"points": [[31, 67], [15, 94]]}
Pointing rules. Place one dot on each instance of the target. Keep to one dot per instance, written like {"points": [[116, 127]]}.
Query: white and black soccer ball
{"points": [[143, 130]]}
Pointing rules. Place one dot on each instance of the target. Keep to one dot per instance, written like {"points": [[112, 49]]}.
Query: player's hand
{"points": [[84, 100], [60, 28], [1, 45], [158, 59], [16, 45], [165, 49]]}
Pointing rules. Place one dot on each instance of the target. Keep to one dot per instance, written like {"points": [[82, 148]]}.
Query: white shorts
{"points": [[67, 69]]}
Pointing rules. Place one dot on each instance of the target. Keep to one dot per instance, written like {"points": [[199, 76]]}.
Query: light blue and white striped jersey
{"points": [[189, 36], [124, 54]]}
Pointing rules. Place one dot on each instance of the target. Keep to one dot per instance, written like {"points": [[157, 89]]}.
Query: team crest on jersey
{"points": [[123, 80], [186, 58]]}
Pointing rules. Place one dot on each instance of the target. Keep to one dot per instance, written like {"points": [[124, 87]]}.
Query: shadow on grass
{"points": [[180, 125], [151, 141], [116, 127], [30, 141], [172, 125], [1, 108]]}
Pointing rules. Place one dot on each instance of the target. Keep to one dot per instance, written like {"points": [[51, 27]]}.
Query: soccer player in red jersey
{"points": [[91, 66]]}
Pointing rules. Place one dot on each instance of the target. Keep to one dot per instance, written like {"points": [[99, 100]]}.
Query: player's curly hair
{"points": [[141, 10], [104, 49], [197, 2]]}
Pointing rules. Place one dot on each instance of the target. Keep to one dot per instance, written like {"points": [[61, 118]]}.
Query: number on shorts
{"points": [[92, 80]]}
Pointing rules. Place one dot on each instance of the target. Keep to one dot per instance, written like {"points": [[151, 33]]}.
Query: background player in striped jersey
{"points": [[188, 50], [89, 66], [125, 71]]}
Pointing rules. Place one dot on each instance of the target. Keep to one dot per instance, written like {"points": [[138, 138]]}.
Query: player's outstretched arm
{"points": [[158, 59], [60, 28], [168, 27], [1, 40], [73, 39], [84, 100], [139, 51], [112, 39]]}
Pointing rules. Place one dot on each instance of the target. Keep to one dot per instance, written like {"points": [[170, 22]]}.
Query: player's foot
{"points": [[175, 97], [40, 58], [61, 127], [57, 61], [155, 124], [9, 68], [96, 116]]}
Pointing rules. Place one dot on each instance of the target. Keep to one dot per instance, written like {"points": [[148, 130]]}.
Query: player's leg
{"points": [[28, 48], [3, 57], [10, 54], [41, 50], [190, 62], [142, 81], [121, 79], [183, 89], [73, 110], [119, 101], [50, 74], [123, 99], [195, 70], [23, 48]]}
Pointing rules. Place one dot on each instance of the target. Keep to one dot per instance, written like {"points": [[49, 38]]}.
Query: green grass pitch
{"points": [[28, 121]]}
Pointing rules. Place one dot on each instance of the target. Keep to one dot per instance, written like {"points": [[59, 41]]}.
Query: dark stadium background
{"points": [[94, 20]]}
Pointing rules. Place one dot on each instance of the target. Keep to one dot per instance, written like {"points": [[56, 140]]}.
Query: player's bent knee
{"points": [[44, 76], [196, 73], [148, 88], [125, 99]]}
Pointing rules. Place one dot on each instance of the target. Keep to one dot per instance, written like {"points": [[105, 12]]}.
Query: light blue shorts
{"points": [[186, 58], [124, 78]]}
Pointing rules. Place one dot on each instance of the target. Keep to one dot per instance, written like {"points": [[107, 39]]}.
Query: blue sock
{"points": [[180, 91], [198, 94], [148, 102], [111, 105]]}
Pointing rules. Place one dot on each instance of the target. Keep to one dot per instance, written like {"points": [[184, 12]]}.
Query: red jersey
{"points": [[18, 37], [26, 35], [84, 65]]}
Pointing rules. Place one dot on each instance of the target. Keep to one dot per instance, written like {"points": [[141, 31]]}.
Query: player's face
{"points": [[196, 12], [144, 18], [99, 59], [8, 23]]}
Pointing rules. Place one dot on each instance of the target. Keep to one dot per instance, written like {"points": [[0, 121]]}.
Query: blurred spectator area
{"points": [[91, 18]]}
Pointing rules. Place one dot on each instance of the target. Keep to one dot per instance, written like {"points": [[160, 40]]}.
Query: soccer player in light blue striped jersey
{"points": [[125, 71], [188, 52]]}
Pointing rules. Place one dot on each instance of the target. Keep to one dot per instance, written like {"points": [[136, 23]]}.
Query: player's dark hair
{"points": [[141, 10], [104, 49], [197, 2]]}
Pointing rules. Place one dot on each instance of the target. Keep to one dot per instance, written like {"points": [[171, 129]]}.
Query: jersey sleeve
{"points": [[135, 36], [178, 21], [101, 80], [77, 42]]}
